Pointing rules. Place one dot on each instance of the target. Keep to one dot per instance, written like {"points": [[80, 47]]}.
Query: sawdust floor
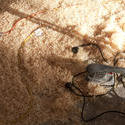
{"points": [[33, 73]]}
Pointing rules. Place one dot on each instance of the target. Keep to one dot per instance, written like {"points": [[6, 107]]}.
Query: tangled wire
{"points": [[78, 92]]}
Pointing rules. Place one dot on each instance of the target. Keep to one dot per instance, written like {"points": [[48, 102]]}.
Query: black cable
{"points": [[99, 115], [75, 49], [71, 85], [115, 61]]}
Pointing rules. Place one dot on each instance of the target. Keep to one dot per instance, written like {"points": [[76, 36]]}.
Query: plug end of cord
{"points": [[68, 85], [75, 50]]}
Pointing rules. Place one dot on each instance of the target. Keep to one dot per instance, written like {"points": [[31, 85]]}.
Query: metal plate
{"points": [[106, 79]]}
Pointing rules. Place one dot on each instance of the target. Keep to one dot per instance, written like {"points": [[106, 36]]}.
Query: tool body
{"points": [[98, 74], [103, 74], [101, 68]]}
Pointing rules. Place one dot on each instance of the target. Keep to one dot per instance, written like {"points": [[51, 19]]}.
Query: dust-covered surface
{"points": [[33, 73]]}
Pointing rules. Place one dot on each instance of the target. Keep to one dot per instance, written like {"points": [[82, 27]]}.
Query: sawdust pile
{"points": [[32, 76]]}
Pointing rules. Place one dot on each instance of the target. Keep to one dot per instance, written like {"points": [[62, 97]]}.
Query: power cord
{"points": [[70, 87]]}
